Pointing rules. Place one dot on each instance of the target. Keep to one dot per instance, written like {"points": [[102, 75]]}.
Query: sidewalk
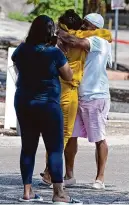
{"points": [[119, 84], [118, 116]]}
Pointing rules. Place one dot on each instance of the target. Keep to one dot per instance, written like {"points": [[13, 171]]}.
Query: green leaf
{"points": [[35, 2]]}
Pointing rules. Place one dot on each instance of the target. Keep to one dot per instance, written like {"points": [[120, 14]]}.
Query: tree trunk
{"points": [[96, 6], [85, 6]]}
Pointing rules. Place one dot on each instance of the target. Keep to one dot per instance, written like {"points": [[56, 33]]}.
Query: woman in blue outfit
{"points": [[37, 104]]}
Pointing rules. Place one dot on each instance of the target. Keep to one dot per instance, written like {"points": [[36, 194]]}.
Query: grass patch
{"points": [[17, 16]]}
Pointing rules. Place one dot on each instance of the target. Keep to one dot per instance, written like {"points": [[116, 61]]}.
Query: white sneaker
{"points": [[69, 182], [98, 185]]}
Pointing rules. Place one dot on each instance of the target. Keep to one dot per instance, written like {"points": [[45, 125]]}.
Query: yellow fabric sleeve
{"points": [[103, 33]]}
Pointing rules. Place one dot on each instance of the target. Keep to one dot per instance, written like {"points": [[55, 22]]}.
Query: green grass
{"points": [[17, 16]]}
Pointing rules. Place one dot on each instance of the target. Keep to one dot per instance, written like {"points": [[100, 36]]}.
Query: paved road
{"points": [[116, 178]]}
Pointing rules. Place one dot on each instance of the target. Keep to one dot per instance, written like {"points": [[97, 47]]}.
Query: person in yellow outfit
{"points": [[71, 22]]}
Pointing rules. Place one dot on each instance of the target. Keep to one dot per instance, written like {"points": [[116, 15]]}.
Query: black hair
{"points": [[41, 31], [71, 19]]}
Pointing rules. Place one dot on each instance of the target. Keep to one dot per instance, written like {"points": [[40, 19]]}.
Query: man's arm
{"points": [[73, 41]]}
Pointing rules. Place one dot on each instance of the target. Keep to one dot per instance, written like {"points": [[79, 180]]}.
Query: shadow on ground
{"points": [[11, 190]]}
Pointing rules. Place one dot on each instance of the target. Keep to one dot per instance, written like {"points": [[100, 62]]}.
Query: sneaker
{"points": [[98, 185], [70, 182]]}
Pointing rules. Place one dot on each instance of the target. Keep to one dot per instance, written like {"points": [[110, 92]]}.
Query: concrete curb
{"points": [[113, 116], [15, 141], [117, 75]]}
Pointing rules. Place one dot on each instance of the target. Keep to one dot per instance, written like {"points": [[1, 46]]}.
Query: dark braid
{"points": [[71, 19]]}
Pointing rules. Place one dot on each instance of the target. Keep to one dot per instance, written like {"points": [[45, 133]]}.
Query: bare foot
{"points": [[63, 198], [58, 193], [29, 195]]}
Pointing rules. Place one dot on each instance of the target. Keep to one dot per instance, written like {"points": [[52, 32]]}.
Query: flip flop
{"points": [[37, 198], [72, 201]]}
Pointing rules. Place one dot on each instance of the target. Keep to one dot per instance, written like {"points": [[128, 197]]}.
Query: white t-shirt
{"points": [[94, 84]]}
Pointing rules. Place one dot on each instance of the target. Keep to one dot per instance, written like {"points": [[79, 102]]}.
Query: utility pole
{"points": [[85, 5]]}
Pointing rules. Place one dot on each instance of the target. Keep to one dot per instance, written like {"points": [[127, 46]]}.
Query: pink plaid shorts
{"points": [[91, 119]]}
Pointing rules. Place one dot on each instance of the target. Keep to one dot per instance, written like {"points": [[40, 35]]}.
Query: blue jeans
{"points": [[37, 117]]}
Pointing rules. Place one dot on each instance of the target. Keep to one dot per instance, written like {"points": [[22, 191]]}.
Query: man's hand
{"points": [[62, 33], [66, 37]]}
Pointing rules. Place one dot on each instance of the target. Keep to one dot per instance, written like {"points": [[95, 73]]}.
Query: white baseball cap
{"points": [[95, 19]]}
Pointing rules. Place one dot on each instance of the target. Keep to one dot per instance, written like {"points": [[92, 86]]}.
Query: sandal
{"points": [[72, 201], [44, 180], [37, 198]]}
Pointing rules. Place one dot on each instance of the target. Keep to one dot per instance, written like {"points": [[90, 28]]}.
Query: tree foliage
{"points": [[35, 2], [54, 8]]}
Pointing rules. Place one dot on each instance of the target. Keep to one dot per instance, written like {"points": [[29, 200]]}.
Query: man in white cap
{"points": [[94, 96]]}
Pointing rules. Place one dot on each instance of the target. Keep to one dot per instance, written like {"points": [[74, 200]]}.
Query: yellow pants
{"points": [[69, 105]]}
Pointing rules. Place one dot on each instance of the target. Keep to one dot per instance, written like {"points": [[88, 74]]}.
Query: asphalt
{"points": [[116, 178], [116, 175]]}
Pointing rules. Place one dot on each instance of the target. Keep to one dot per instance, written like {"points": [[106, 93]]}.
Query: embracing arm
{"points": [[73, 41], [91, 44]]}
